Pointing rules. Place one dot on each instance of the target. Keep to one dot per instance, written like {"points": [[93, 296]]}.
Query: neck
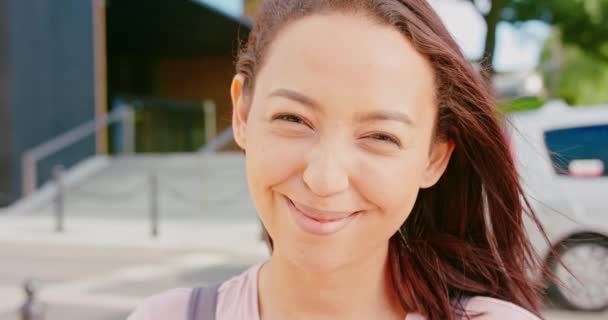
{"points": [[359, 290]]}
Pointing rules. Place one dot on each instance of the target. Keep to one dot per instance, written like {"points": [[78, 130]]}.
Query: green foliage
{"points": [[583, 79], [521, 104], [524, 10], [582, 39], [582, 23]]}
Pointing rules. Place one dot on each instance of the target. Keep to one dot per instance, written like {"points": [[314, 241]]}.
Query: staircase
{"points": [[209, 186], [203, 202]]}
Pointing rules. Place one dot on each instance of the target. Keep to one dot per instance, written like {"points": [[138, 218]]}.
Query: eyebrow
{"points": [[295, 96], [385, 115], [361, 117]]}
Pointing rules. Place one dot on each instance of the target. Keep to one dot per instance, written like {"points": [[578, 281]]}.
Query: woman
{"points": [[379, 170]]}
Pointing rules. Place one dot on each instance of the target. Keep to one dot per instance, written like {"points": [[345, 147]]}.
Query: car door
{"points": [[580, 161]]}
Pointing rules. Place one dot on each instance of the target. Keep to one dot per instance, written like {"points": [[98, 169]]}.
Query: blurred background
{"points": [[119, 177]]}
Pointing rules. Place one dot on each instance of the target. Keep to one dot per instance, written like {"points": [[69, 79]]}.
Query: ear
{"points": [[438, 161], [240, 111]]}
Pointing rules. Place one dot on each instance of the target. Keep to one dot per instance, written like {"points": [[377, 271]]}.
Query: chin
{"points": [[317, 255]]}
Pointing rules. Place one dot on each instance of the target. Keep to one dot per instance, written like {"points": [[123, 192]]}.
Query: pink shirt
{"points": [[238, 300]]}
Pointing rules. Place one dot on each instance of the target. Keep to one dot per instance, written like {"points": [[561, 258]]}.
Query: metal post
{"points": [[59, 197], [210, 120], [31, 309], [128, 130], [28, 173], [154, 207]]}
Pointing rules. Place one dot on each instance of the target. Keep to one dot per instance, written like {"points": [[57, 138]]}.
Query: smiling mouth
{"points": [[318, 222], [320, 215]]}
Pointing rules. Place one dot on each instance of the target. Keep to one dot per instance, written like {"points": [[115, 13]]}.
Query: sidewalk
{"points": [[227, 236], [101, 269], [106, 261]]}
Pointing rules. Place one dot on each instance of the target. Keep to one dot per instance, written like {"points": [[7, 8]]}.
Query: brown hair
{"points": [[465, 235]]}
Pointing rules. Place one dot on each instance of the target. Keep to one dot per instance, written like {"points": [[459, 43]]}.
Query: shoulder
{"points": [[238, 294], [245, 281], [495, 309], [238, 297], [171, 304]]}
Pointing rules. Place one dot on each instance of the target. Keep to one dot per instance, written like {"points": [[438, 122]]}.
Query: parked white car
{"points": [[562, 157]]}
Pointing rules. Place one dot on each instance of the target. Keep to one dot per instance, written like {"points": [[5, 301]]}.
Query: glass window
{"points": [[580, 143]]}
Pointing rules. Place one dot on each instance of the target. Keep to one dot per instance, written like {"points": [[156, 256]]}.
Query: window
{"points": [[580, 143]]}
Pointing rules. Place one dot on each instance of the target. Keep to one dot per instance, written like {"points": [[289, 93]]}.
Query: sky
{"points": [[230, 7], [517, 49]]}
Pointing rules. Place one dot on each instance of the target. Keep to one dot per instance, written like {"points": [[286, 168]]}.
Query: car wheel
{"points": [[583, 285]]}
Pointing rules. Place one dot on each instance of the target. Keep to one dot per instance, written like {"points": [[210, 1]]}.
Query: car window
{"points": [[578, 144]]}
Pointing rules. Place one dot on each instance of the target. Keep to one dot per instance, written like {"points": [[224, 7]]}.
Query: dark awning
{"points": [[176, 28]]}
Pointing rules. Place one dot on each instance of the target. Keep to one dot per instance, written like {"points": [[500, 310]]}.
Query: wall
{"points": [[199, 79], [251, 7], [51, 78], [6, 174]]}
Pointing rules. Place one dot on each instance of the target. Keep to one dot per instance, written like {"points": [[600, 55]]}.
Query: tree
{"points": [[581, 78], [582, 23]]}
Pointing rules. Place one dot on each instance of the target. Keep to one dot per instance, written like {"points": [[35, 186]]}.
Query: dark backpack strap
{"points": [[203, 303]]}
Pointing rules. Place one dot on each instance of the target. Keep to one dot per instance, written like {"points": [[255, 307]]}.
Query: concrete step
{"points": [[193, 185]]}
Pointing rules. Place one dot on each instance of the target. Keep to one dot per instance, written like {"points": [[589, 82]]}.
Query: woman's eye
{"points": [[290, 118], [385, 138]]}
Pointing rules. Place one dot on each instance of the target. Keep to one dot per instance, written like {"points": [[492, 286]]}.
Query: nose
{"points": [[325, 175]]}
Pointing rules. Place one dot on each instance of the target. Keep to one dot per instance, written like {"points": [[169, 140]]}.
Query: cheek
{"points": [[392, 185], [271, 161]]}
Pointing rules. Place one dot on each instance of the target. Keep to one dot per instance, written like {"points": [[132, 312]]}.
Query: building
{"points": [[67, 62]]}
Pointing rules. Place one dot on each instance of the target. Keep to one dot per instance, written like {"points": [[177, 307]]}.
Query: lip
{"points": [[317, 222]]}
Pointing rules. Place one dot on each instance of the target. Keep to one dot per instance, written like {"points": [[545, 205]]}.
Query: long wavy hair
{"points": [[465, 235]]}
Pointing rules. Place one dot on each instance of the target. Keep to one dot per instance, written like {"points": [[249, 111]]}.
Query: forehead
{"points": [[348, 57]]}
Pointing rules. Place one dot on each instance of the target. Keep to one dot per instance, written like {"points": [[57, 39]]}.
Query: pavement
{"points": [[106, 260], [101, 269], [90, 282]]}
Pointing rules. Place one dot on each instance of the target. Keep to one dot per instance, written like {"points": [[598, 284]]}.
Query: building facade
{"points": [[65, 62]]}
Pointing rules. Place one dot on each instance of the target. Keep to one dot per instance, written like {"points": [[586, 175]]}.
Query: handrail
{"points": [[31, 157], [220, 141]]}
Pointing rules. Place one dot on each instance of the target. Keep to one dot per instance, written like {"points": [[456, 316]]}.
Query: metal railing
{"points": [[31, 157], [154, 185], [218, 142], [123, 113]]}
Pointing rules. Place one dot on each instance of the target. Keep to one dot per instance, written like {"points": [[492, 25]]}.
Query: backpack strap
{"points": [[203, 303]]}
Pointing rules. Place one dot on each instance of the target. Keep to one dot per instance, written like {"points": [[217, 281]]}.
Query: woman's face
{"points": [[338, 136]]}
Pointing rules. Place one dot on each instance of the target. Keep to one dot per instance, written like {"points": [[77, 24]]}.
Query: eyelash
{"points": [[284, 117], [377, 136], [384, 137]]}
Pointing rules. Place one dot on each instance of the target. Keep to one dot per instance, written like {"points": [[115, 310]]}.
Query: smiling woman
{"points": [[378, 168]]}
